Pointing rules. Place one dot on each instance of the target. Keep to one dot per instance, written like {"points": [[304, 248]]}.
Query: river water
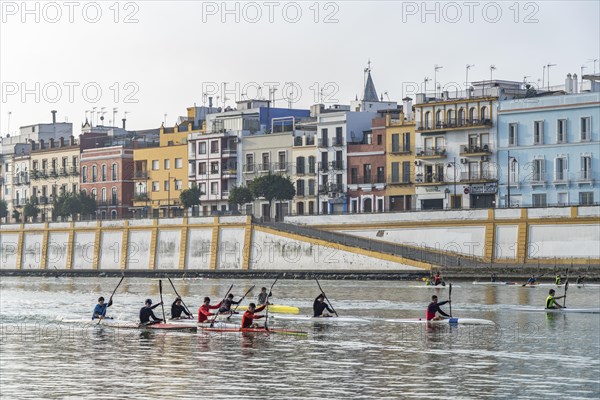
{"points": [[525, 355]]}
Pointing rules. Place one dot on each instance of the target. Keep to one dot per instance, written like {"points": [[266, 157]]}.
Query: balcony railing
{"points": [[337, 141], [331, 188], [584, 176], [452, 123], [228, 151], [298, 141], [141, 197], [398, 180], [400, 150], [64, 171], [476, 176], [53, 172], [429, 178], [439, 151], [323, 167], [249, 168], [74, 170], [323, 143], [561, 177], [140, 175], [537, 178], [336, 165], [473, 149]]}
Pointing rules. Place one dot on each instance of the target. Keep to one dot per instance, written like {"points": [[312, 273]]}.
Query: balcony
{"points": [[442, 126], [585, 177], [323, 167], [472, 150], [64, 171], [249, 168], [74, 171], [230, 173], [264, 167], [280, 166], [431, 152], [478, 176], [537, 179], [400, 150], [297, 141], [561, 178], [140, 175], [336, 165], [331, 188], [102, 203], [323, 143], [300, 170], [141, 197], [229, 152], [337, 141], [429, 179], [398, 180], [53, 173]]}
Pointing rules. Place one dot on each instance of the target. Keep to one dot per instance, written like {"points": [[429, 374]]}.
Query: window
{"points": [[380, 175], [406, 142], [539, 200], [84, 174], [484, 114], [395, 143], [202, 148], [94, 193], [282, 163], [265, 162], [368, 138], [538, 132], [249, 162], [395, 172], [439, 119], [367, 173], [155, 186], [94, 173], [311, 187], [113, 199], [586, 168], [300, 187], [214, 188], [561, 169], [155, 165], [193, 148], [202, 188], [406, 171], [539, 170], [214, 146], [586, 123], [103, 198], [586, 198], [214, 167], [561, 131], [324, 137], [178, 163], [354, 175], [166, 185], [379, 140], [428, 120], [202, 168], [512, 134], [167, 163], [311, 164], [178, 184], [300, 165]]}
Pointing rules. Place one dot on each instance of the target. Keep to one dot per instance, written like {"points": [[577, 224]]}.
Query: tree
{"points": [[190, 197], [16, 215], [87, 204], [273, 187], [3, 209], [72, 204], [31, 209], [240, 195]]}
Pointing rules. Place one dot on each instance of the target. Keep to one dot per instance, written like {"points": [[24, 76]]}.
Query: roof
{"points": [[370, 93]]}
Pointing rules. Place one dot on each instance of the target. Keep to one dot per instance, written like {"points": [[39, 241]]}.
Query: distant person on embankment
{"points": [[434, 307], [100, 309], [146, 313], [551, 300], [204, 310], [319, 306], [177, 309]]}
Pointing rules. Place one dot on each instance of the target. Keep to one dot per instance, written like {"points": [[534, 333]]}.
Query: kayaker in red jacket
{"points": [[204, 310], [249, 316], [434, 307]]}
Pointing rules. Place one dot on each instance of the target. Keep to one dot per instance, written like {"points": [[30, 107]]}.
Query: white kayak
{"points": [[498, 283], [433, 286], [310, 318], [115, 323], [445, 321], [562, 310]]}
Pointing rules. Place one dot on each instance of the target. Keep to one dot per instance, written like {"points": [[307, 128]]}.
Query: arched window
{"points": [[450, 117], [114, 172], [94, 194], [439, 118], [103, 198], [103, 172], [113, 196], [84, 176], [427, 120], [113, 214], [483, 114], [472, 115], [94, 173]]}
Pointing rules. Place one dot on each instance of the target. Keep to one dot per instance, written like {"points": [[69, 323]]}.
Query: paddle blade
{"points": [[565, 298]]}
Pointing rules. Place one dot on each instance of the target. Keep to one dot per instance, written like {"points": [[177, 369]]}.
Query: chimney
{"points": [[568, 84], [407, 108], [575, 84], [124, 119], [53, 116]]}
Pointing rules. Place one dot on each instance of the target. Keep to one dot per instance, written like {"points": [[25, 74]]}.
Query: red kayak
{"points": [[168, 327], [255, 330]]}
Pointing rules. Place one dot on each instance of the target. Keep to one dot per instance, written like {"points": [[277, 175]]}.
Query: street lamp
{"points": [[169, 195], [453, 165], [511, 161]]}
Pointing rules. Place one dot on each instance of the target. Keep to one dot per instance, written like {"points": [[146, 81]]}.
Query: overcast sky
{"points": [[152, 58]]}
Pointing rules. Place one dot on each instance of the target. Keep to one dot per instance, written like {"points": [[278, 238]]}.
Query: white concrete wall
{"points": [[141, 222], [198, 249], [465, 240], [168, 244], [507, 213], [83, 250], [272, 252], [231, 248], [388, 217], [58, 246], [110, 250], [588, 211], [506, 242], [9, 246], [549, 212], [138, 249], [547, 241]]}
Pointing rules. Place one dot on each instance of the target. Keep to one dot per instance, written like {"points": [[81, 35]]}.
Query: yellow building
{"points": [[161, 173], [400, 161]]}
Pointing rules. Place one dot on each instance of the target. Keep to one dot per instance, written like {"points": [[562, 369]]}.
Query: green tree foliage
{"points": [[3, 209], [190, 197], [16, 215], [240, 195], [273, 187], [31, 209], [72, 204]]}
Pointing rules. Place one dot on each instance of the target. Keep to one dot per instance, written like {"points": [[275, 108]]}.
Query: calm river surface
{"points": [[526, 355]]}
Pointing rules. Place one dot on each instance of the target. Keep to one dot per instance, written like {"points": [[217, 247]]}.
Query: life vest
{"points": [[550, 302]]}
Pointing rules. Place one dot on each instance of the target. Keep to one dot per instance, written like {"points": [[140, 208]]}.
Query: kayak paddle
{"points": [[212, 323], [267, 313], [175, 290], [242, 299], [565, 296], [111, 296], [328, 302], [161, 299], [450, 298]]}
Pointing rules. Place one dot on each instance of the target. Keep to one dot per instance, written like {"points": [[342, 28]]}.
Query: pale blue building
{"points": [[550, 143]]}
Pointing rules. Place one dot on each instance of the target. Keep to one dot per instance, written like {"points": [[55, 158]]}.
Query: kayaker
{"points": [[249, 316], [146, 313], [100, 309], [434, 307], [263, 297], [580, 280], [551, 300], [227, 303], [319, 306], [437, 279], [177, 309], [204, 310], [557, 279], [493, 277], [531, 281]]}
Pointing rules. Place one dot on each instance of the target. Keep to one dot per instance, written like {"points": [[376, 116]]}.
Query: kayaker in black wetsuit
{"points": [[263, 296], [177, 309], [319, 306], [146, 313], [434, 307], [227, 303]]}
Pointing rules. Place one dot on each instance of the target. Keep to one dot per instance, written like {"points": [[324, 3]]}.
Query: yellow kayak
{"points": [[277, 308]]}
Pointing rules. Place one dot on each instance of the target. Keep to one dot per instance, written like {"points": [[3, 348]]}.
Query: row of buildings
{"points": [[497, 144]]}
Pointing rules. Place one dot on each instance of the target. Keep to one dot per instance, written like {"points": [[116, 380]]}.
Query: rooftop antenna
{"points": [[92, 113], [469, 66], [549, 65], [594, 60], [9, 113], [204, 96], [425, 80], [114, 112], [435, 70], [387, 95], [272, 95], [165, 120]]}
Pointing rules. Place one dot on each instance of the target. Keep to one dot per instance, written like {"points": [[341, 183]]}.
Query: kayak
{"points": [[332, 319], [129, 325], [562, 310], [277, 308], [168, 327], [195, 324], [445, 321], [433, 286], [499, 283], [255, 330]]}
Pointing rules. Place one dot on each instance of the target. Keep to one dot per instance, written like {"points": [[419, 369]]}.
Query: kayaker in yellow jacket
{"points": [[551, 300]]}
